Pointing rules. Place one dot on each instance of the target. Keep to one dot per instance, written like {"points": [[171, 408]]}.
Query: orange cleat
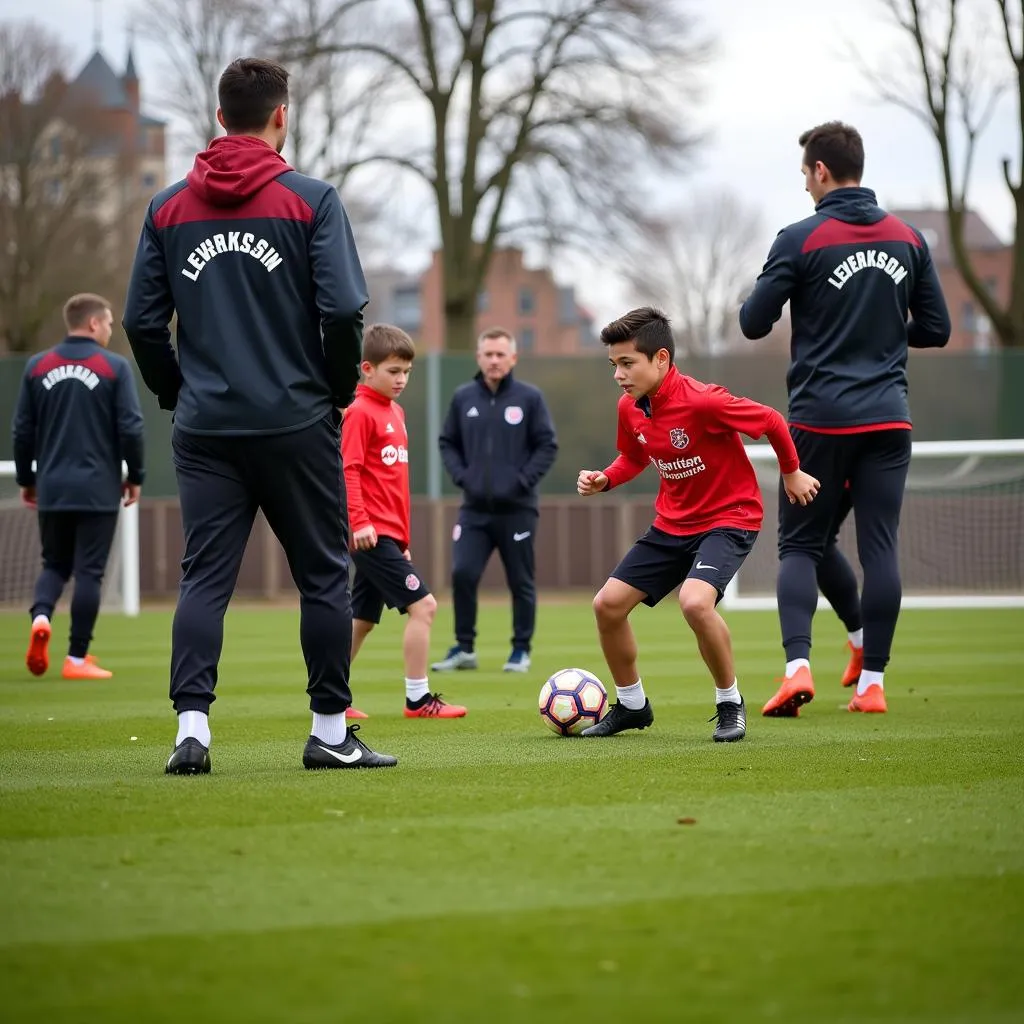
{"points": [[37, 658], [356, 714], [871, 700], [795, 690], [434, 707], [87, 670], [854, 665]]}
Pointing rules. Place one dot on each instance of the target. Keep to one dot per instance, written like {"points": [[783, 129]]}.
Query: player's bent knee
{"points": [[609, 608], [697, 600], [424, 609]]}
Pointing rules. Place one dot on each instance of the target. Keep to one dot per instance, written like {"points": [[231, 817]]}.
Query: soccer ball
{"points": [[571, 701]]}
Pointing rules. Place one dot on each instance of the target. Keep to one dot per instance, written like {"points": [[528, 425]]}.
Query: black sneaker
{"points": [[190, 757], [732, 721], [353, 753], [620, 718]]}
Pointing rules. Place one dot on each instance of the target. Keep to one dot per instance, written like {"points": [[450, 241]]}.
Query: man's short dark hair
{"points": [[80, 309], [648, 328], [384, 340], [838, 146], [249, 91]]}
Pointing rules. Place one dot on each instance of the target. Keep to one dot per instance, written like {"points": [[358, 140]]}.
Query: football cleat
{"points": [[854, 665], [456, 658], [518, 661], [432, 706], [620, 718], [871, 700], [37, 658], [88, 669], [731, 721], [795, 690], [190, 757], [351, 753]]}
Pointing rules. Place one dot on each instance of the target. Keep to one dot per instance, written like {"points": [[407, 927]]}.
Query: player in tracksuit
{"points": [[77, 418], [375, 450], [260, 266], [862, 288], [497, 443]]}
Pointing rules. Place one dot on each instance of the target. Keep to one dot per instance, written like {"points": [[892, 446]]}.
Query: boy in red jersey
{"points": [[375, 451], [708, 509]]}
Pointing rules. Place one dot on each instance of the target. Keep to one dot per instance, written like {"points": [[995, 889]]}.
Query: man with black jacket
{"points": [[260, 266], [861, 287], [77, 419], [497, 443]]}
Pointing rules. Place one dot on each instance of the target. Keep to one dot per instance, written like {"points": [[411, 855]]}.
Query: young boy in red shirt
{"points": [[375, 452], [708, 510]]}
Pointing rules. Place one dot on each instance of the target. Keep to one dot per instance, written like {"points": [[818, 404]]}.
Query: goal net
{"points": [[961, 531], [20, 559]]}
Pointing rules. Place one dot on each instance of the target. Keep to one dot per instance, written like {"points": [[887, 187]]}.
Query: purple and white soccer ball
{"points": [[572, 700]]}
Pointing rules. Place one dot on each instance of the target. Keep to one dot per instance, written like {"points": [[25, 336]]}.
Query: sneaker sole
{"points": [[729, 739], [187, 770], [37, 660], [344, 767], [791, 707]]}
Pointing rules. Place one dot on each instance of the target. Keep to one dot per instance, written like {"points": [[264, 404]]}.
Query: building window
{"points": [[483, 302], [149, 181], [992, 284], [527, 304], [968, 320], [406, 307], [54, 190], [55, 147], [525, 340]]}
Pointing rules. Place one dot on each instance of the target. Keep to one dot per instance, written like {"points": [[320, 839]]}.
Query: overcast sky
{"points": [[779, 69]]}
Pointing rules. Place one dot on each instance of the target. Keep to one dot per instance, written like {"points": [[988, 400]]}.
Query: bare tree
{"points": [[51, 194], [522, 120], [198, 39], [697, 262], [958, 51]]}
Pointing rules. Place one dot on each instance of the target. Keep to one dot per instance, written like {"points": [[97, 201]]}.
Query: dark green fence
{"points": [[953, 396]]}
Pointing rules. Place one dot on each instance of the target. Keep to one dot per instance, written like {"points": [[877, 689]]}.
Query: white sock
{"points": [[730, 693], [632, 697], [195, 724], [857, 638], [330, 729], [41, 620], [415, 689], [793, 666], [869, 679], [76, 661]]}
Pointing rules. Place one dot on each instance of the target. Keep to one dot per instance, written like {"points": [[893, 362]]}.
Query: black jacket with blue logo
{"points": [[78, 418], [497, 445], [851, 274], [259, 263]]}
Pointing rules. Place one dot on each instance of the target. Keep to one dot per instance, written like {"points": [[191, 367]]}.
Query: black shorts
{"points": [[659, 562], [384, 576]]}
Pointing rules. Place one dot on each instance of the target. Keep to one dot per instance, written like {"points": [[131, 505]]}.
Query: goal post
{"points": [[20, 556], [961, 530]]}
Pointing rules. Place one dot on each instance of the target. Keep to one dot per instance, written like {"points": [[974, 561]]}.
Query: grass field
{"points": [[841, 867]]}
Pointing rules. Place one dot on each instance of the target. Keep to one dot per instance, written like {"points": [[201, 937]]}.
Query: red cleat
{"points": [[872, 700], [354, 714], [87, 670], [434, 707], [37, 658], [854, 665], [795, 690]]}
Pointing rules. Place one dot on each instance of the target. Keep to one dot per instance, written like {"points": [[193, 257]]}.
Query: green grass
{"points": [[841, 868]]}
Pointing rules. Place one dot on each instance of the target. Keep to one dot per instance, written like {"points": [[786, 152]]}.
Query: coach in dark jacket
{"points": [[497, 443], [260, 266]]}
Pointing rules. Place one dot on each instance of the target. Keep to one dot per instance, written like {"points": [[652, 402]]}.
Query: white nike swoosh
{"points": [[701, 565], [356, 754], [520, 536]]}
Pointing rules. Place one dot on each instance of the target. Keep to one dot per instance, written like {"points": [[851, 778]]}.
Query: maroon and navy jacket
{"points": [[77, 418], [852, 275], [259, 263]]}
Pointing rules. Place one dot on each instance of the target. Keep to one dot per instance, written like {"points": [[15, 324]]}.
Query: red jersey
{"points": [[375, 451], [689, 432]]}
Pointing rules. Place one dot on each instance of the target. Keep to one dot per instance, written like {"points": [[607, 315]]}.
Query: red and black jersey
{"points": [[690, 433]]}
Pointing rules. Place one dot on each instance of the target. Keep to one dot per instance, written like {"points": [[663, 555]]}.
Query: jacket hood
{"points": [[233, 169], [852, 205]]}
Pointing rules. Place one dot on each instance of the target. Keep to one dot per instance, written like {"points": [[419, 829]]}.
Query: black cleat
{"points": [[189, 757], [620, 718], [732, 721], [353, 753]]}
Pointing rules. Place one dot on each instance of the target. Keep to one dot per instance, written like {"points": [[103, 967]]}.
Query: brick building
{"points": [[543, 315]]}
